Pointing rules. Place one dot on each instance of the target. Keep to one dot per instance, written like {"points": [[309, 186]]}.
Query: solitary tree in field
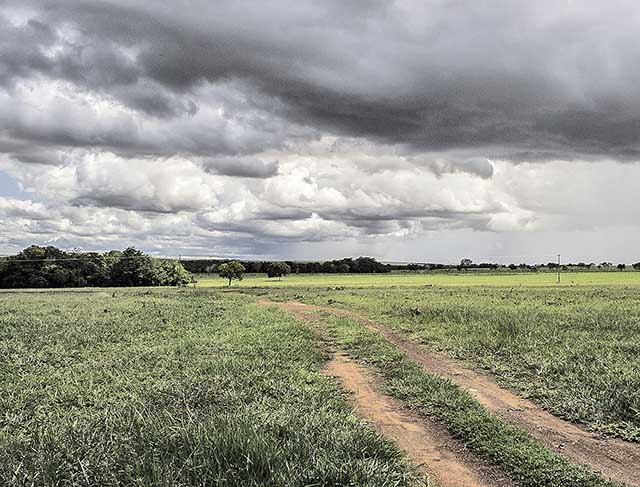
{"points": [[278, 269], [231, 270]]}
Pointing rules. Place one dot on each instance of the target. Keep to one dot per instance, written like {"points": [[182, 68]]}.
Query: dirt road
{"points": [[424, 442], [615, 459]]}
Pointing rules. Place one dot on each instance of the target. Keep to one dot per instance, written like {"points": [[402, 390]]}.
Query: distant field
{"points": [[627, 278], [173, 388]]}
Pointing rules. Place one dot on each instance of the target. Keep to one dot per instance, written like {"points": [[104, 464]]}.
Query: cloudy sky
{"points": [[407, 130]]}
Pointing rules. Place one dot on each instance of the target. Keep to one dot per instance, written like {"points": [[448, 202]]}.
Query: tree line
{"points": [[43, 267], [361, 265], [369, 265], [235, 270], [466, 265]]}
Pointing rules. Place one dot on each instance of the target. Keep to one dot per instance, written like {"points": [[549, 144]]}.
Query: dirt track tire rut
{"points": [[424, 442], [615, 459]]}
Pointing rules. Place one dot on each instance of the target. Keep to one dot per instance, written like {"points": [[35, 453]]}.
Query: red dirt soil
{"points": [[425, 443]]}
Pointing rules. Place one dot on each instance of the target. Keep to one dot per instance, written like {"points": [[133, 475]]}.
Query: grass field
{"points": [[403, 279], [573, 350], [174, 388], [205, 386]]}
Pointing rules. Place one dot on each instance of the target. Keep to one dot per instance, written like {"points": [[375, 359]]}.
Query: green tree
{"points": [[328, 267], [231, 270], [133, 268], [278, 269], [56, 275], [28, 268], [171, 273], [39, 267]]}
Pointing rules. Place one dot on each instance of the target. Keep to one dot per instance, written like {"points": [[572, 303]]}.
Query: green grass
{"points": [[524, 459], [201, 387], [404, 279], [174, 388], [573, 350]]}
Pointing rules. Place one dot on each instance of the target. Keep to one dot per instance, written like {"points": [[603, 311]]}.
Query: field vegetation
{"points": [[175, 388], [205, 386], [417, 279], [574, 350]]}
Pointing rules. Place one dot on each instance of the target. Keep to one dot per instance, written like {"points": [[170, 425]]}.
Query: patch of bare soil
{"points": [[615, 459], [425, 443]]}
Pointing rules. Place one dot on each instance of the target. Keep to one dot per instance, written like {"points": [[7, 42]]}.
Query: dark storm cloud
{"points": [[37, 157], [156, 103], [125, 202], [538, 78], [24, 53], [21, 49], [241, 167], [281, 214], [384, 221]]}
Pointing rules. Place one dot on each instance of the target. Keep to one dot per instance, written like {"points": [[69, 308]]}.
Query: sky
{"points": [[426, 131]]}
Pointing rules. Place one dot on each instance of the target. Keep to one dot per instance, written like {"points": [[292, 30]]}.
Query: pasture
{"points": [[574, 350], [218, 386], [173, 388], [406, 279]]}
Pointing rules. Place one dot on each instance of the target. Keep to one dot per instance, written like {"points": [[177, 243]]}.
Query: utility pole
{"points": [[558, 268]]}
